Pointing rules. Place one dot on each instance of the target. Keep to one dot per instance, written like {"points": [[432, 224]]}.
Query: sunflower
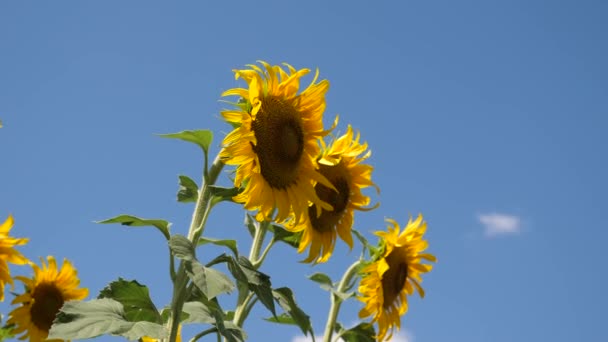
{"points": [[274, 143], [388, 281], [44, 295], [8, 253], [341, 164]]}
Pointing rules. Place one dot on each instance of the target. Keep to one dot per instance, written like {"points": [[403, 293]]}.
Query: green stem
{"points": [[337, 301], [203, 333], [258, 241], [197, 225], [259, 262], [241, 310]]}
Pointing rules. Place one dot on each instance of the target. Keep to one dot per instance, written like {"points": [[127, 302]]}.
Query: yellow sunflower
{"points": [[44, 295], [341, 164], [274, 143], [9, 254], [388, 281]]}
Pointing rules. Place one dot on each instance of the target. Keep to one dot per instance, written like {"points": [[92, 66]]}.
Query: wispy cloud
{"points": [[496, 224], [402, 336]]}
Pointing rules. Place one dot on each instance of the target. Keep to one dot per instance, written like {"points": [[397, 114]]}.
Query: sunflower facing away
{"points": [[274, 144], [388, 281], [45, 293], [8, 253], [341, 164]]}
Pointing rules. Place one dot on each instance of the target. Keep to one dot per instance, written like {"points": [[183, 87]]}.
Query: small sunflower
{"points": [[45, 293], [341, 164], [8, 253], [388, 281], [274, 143]]}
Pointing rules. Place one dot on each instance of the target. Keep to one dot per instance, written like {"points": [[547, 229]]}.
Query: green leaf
{"points": [[202, 137], [135, 299], [6, 332], [198, 313], [323, 279], [222, 194], [133, 221], [364, 242], [281, 234], [82, 320], [284, 296], [258, 282], [182, 248], [251, 224], [282, 319], [364, 332], [226, 243], [210, 281], [188, 190]]}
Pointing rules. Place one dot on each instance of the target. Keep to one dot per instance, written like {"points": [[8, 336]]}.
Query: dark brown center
{"points": [[394, 278], [47, 302], [338, 200], [280, 142]]}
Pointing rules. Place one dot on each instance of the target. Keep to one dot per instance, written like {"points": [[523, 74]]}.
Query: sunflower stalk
{"points": [[242, 310], [197, 226], [336, 301]]}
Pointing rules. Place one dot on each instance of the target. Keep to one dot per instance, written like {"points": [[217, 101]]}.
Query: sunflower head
{"points": [[341, 163], [387, 281], [8, 253], [274, 142], [45, 293]]}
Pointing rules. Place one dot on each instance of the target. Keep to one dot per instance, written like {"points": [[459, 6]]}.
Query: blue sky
{"points": [[488, 117]]}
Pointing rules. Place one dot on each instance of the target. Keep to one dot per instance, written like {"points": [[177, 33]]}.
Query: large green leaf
{"points": [[188, 190], [226, 243], [210, 281], [135, 299], [198, 313], [133, 221], [284, 296], [201, 137], [182, 248], [82, 320], [258, 282]]}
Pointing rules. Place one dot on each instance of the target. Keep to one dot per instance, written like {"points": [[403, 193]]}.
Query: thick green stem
{"points": [[197, 225], [337, 301], [240, 314]]}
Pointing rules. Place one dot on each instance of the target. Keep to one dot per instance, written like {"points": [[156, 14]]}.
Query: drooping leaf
{"points": [[210, 281], [188, 190], [284, 296], [197, 313], [133, 221], [182, 248], [226, 243], [202, 137], [251, 224], [282, 319], [363, 332], [281, 234], [258, 282], [82, 320], [366, 245], [135, 299]]}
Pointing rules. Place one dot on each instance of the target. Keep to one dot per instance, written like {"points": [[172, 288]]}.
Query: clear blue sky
{"points": [[489, 117]]}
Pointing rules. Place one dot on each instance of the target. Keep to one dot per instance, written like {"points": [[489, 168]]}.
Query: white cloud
{"points": [[499, 224], [402, 336]]}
